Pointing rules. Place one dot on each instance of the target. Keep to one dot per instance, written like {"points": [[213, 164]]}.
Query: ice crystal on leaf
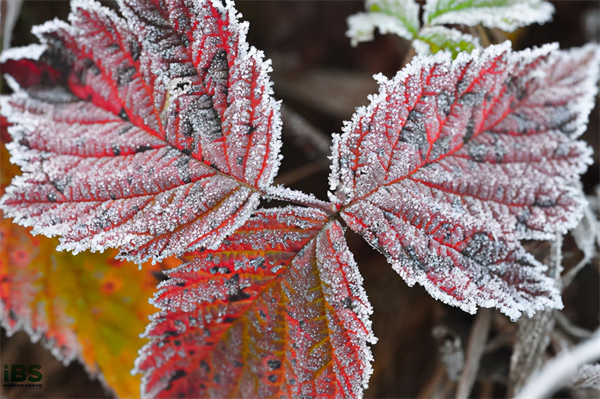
{"points": [[454, 162], [277, 311], [153, 134], [507, 15]]}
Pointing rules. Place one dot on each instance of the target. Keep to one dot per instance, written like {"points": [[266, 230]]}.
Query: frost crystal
{"points": [[507, 15], [277, 310], [153, 134], [454, 161]]}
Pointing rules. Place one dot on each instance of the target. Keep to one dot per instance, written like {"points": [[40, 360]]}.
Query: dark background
{"points": [[320, 76]]}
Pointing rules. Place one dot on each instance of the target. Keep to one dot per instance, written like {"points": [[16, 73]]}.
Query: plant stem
{"points": [[298, 197], [477, 341], [561, 369]]}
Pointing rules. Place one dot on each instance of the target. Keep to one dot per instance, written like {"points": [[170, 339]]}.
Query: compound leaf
{"points": [[278, 310], [399, 17], [87, 307], [439, 38], [507, 15], [454, 162], [154, 135]]}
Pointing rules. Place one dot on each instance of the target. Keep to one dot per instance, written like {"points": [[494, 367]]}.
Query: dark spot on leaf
{"points": [[238, 296], [113, 47], [237, 364], [143, 148], [135, 50], [204, 366], [51, 197], [544, 202], [412, 255], [112, 196], [469, 130], [229, 319], [60, 185], [177, 342], [116, 150], [123, 115], [274, 364], [217, 379], [272, 378], [125, 75], [347, 303]]}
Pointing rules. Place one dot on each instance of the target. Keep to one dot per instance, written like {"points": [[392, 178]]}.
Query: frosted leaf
{"points": [[507, 15], [454, 162], [439, 38], [399, 17], [154, 134], [277, 310]]}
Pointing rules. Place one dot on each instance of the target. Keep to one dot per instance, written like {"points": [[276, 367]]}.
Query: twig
{"points": [[298, 197], [499, 341], [569, 276], [570, 328], [559, 371], [316, 143], [477, 341], [300, 173], [533, 335]]}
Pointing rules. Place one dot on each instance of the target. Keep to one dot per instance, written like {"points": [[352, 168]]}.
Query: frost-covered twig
{"points": [[298, 197], [477, 341], [533, 335], [560, 370]]}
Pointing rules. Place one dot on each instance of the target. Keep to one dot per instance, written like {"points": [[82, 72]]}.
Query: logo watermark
{"points": [[22, 376]]}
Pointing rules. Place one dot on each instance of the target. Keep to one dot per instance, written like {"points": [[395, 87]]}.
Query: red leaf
{"points": [[455, 161], [277, 310], [153, 139]]}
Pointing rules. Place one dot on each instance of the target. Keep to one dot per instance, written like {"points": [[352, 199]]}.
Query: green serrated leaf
{"points": [[503, 14], [438, 38], [399, 17]]}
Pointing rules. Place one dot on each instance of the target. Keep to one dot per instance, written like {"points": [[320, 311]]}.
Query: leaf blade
{"points": [[455, 161], [208, 122], [507, 15], [438, 38], [388, 16], [292, 311]]}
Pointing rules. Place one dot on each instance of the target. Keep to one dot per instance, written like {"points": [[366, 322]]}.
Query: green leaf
{"points": [[507, 15], [438, 38], [399, 17]]}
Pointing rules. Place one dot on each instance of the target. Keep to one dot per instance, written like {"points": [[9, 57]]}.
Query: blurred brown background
{"points": [[321, 77]]}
